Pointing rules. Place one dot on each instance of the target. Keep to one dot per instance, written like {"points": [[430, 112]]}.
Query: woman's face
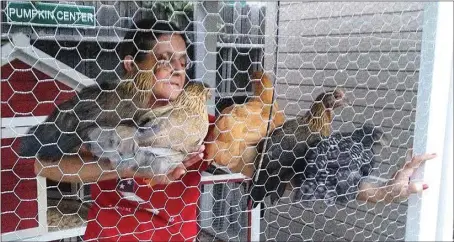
{"points": [[168, 58]]}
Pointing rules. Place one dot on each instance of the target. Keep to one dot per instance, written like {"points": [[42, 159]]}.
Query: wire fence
{"points": [[308, 169]]}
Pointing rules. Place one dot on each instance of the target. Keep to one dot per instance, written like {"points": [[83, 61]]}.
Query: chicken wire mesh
{"points": [[371, 50]]}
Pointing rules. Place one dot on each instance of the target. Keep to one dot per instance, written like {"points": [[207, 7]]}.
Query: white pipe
{"points": [[445, 210], [255, 223], [41, 188], [432, 109]]}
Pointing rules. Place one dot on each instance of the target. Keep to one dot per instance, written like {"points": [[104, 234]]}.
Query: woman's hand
{"points": [[179, 171], [400, 187]]}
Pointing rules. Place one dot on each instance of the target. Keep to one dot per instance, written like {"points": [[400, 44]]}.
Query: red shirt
{"points": [[129, 210]]}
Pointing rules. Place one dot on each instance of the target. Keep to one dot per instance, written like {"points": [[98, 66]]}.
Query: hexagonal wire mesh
{"points": [[371, 50]]}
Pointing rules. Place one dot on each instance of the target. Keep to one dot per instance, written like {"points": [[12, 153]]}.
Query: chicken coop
{"points": [[387, 66]]}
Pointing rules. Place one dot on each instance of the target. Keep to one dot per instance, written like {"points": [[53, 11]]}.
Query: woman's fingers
{"points": [[202, 148], [416, 161], [412, 164], [178, 171], [173, 175], [192, 160], [402, 191], [401, 187], [195, 157], [402, 181], [417, 187]]}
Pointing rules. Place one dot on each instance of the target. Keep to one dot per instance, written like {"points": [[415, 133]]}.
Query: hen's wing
{"points": [[118, 143]]}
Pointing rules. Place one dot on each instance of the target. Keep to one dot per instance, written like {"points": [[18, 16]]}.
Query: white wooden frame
{"points": [[42, 216], [18, 126], [61, 234], [429, 216], [21, 49]]}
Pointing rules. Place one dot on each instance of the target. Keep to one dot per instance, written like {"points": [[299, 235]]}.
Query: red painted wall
{"points": [[24, 92], [19, 206]]}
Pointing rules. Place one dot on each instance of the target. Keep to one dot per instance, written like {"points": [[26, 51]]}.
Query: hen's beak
{"points": [[341, 101]]}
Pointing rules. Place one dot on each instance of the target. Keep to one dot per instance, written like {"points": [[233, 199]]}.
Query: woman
{"points": [[129, 208], [125, 206]]}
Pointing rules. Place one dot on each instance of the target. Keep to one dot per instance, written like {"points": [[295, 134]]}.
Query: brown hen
{"points": [[241, 127]]}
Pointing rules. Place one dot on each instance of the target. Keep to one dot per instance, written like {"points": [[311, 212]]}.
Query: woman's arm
{"points": [[388, 193], [78, 169], [399, 187], [84, 168]]}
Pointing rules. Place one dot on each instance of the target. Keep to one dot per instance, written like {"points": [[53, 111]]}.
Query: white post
{"points": [[270, 37], [255, 223], [206, 29], [41, 186], [435, 79], [445, 223], [271, 50]]}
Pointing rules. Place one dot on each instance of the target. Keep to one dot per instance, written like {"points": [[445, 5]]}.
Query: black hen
{"points": [[288, 144], [335, 166]]}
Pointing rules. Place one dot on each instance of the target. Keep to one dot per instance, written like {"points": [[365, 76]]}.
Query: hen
{"points": [[288, 144], [106, 105], [335, 166], [241, 126], [147, 141], [162, 138]]}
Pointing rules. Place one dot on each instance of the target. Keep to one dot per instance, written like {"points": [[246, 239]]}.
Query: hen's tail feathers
{"points": [[41, 141], [52, 138], [280, 191], [257, 193], [263, 88], [257, 197]]}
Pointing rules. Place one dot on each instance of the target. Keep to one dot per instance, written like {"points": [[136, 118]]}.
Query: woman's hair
{"points": [[143, 35]]}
